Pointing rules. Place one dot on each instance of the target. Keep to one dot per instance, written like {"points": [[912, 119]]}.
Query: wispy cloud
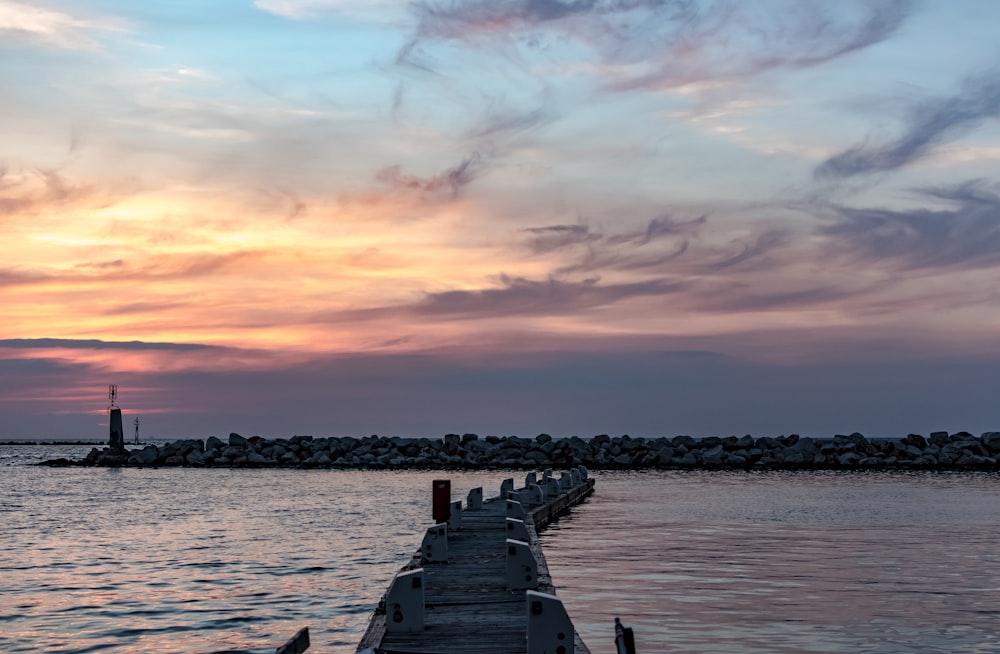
{"points": [[27, 192], [444, 185], [550, 297], [301, 9], [966, 236], [96, 344], [666, 43], [930, 123], [32, 24]]}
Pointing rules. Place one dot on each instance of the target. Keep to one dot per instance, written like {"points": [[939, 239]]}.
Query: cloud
{"points": [[551, 297], [42, 188], [557, 237], [53, 29], [97, 344], [443, 186], [930, 123], [967, 235], [761, 244], [664, 43], [663, 240], [379, 10]]}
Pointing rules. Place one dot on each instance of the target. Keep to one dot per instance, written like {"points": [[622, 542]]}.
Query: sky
{"points": [[510, 217]]}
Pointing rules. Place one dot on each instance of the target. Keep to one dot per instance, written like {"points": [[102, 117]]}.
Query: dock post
{"points": [[522, 568], [549, 628], [434, 548], [440, 499], [515, 510], [455, 520], [506, 486], [546, 474], [517, 530], [475, 499], [530, 478], [574, 474], [551, 487], [404, 603], [565, 481], [535, 494]]}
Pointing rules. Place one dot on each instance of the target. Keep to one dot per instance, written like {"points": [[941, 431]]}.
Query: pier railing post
{"points": [[475, 499], [434, 548], [517, 530], [455, 519], [550, 631], [515, 510], [404, 603], [522, 568]]}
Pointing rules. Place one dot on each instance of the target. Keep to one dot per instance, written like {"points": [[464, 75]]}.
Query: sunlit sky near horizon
{"points": [[344, 217]]}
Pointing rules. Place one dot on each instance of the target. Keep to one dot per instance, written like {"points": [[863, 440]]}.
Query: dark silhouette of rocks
{"points": [[939, 451]]}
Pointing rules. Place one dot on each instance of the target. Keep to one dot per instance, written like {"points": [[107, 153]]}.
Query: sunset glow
{"points": [[504, 216]]}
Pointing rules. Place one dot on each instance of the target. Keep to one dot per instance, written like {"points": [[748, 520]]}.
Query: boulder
{"points": [[991, 442], [147, 456], [236, 440]]}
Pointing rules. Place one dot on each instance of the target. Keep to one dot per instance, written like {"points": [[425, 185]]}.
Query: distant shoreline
{"points": [[939, 451], [30, 441]]}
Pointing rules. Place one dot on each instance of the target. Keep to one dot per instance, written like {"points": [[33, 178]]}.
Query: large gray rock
{"points": [[991, 441], [714, 455], [147, 456], [237, 441]]}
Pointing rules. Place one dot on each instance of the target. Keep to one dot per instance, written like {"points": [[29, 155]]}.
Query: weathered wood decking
{"points": [[467, 604]]}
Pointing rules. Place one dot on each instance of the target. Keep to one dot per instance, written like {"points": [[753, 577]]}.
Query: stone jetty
{"points": [[938, 451]]}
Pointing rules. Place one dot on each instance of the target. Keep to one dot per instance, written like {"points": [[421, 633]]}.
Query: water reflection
{"points": [[182, 560], [703, 562]]}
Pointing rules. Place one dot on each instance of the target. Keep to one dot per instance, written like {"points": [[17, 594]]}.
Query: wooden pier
{"points": [[481, 584]]}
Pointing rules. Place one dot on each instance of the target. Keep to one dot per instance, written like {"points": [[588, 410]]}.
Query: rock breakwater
{"points": [[940, 450]]}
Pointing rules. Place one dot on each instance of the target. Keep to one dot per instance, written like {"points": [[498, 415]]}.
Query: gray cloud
{"points": [[662, 239], [967, 235], [929, 123], [765, 242], [556, 237], [729, 39], [97, 344], [520, 296], [447, 183]]}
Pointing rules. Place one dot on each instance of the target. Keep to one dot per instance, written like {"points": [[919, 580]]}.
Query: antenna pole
{"points": [[112, 396]]}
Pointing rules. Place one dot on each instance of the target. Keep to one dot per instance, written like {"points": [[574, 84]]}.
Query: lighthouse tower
{"points": [[116, 440]]}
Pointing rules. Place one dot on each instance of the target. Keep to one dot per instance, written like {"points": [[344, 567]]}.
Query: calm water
{"points": [[185, 560]]}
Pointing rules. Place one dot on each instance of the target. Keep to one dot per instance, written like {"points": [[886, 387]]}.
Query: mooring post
{"points": [[475, 499], [549, 626], [404, 603], [455, 519], [434, 548], [522, 568]]}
